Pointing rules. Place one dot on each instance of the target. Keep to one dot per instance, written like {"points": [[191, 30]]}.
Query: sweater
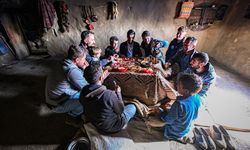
{"points": [[103, 108], [136, 52], [180, 117], [174, 47], [65, 81]]}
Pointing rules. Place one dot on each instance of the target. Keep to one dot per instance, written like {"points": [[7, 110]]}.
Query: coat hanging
{"points": [[112, 10], [47, 13], [62, 12]]}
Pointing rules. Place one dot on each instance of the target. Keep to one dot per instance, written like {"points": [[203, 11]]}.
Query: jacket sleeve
{"points": [[142, 49], [189, 70], [89, 59], [174, 58], [76, 78], [137, 50], [164, 43], [123, 49], [172, 115], [207, 82], [170, 51], [118, 104], [107, 52], [104, 61]]}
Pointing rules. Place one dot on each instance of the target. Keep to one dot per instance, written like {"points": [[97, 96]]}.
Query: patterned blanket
{"points": [[148, 88]]}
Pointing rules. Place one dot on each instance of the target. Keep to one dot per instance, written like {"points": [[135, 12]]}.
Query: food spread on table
{"points": [[138, 65]]}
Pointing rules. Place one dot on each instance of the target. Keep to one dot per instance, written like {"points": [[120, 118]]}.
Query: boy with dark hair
{"points": [[113, 48], [103, 107], [184, 110], [130, 48], [201, 66]]}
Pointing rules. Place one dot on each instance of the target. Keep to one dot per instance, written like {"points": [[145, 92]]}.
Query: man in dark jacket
{"points": [[201, 66], [130, 48], [182, 58], [64, 83], [176, 44], [103, 107]]}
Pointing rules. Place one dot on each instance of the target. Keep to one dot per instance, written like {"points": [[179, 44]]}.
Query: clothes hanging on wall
{"points": [[47, 13], [112, 10], [87, 14], [62, 12]]}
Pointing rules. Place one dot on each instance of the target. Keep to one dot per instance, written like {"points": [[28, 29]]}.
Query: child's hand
{"points": [[105, 74], [85, 65], [166, 106], [154, 110], [158, 45], [166, 65], [118, 89]]}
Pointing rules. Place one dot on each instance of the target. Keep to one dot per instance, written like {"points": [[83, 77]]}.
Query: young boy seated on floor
{"points": [[184, 111], [103, 107]]}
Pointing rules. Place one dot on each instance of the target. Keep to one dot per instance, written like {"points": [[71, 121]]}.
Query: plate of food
{"points": [[135, 69], [145, 64], [122, 69], [148, 70], [119, 67]]}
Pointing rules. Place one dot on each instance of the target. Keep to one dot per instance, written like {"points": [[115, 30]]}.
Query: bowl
{"points": [[149, 71], [122, 69]]}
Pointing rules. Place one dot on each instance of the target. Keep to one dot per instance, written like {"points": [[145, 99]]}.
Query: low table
{"points": [[148, 88]]}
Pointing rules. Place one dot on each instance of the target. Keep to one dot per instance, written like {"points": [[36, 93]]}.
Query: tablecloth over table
{"points": [[148, 88]]}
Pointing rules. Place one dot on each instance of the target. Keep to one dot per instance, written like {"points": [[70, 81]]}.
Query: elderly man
{"points": [[201, 66], [176, 44], [88, 42], [151, 47], [64, 83], [182, 58], [130, 48]]}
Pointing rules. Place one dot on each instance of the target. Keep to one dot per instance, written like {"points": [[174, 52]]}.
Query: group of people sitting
{"points": [[76, 87]]}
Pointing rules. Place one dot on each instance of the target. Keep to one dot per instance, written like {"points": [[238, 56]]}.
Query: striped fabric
{"points": [[186, 9], [147, 88]]}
